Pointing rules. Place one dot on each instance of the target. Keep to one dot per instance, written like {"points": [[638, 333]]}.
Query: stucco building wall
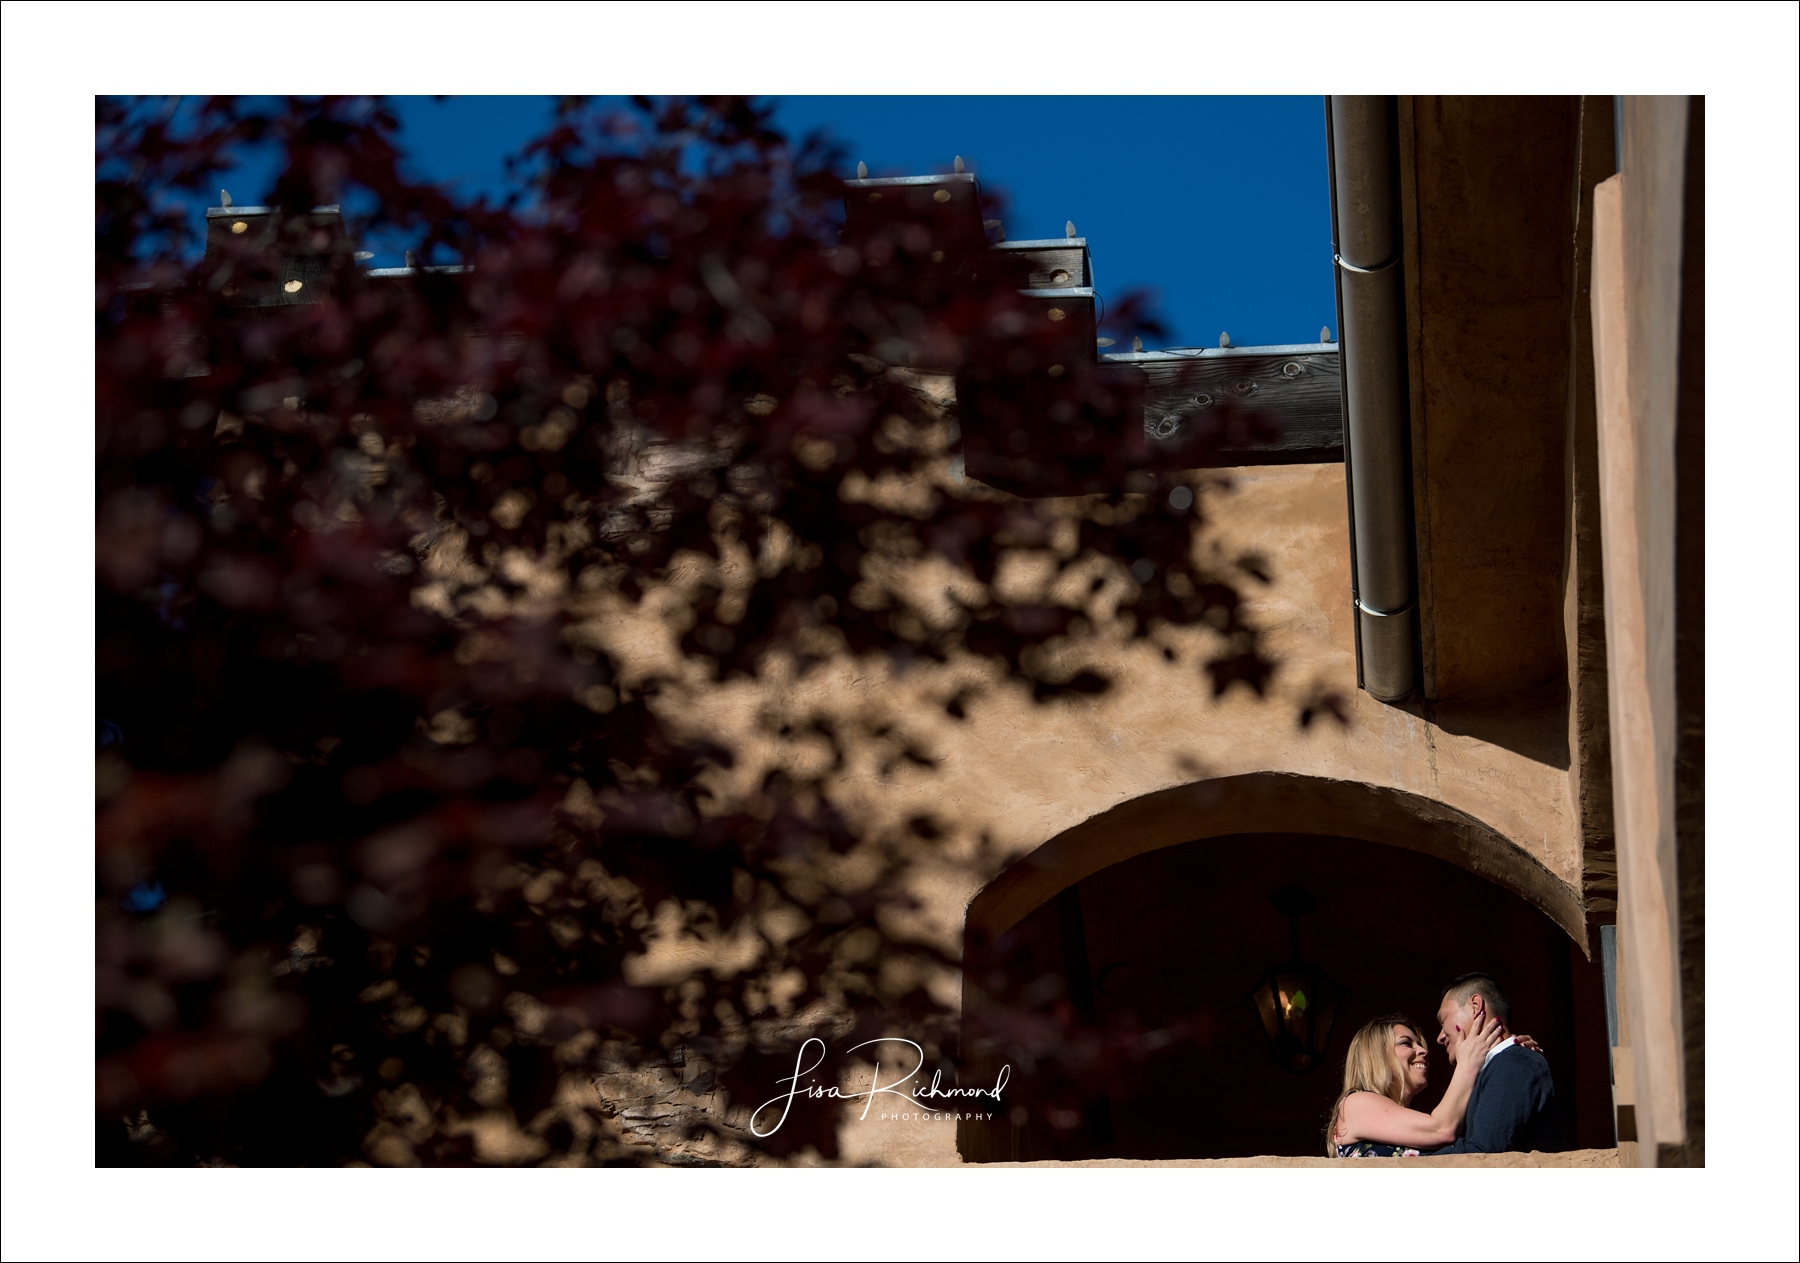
{"points": [[1016, 772], [1034, 795]]}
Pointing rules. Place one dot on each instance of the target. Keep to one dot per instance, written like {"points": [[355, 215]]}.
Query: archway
{"points": [[1272, 802], [1110, 967]]}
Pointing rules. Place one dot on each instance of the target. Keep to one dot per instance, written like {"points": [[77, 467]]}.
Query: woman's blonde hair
{"points": [[1370, 1065]]}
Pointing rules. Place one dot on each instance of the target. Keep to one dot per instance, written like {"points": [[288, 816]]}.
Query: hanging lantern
{"points": [[1297, 1002]]}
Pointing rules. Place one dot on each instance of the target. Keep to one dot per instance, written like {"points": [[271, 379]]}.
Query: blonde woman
{"points": [[1386, 1068]]}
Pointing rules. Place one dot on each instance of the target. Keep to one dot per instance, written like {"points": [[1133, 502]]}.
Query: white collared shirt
{"points": [[1508, 1042]]}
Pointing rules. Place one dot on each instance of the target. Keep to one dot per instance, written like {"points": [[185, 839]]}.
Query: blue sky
{"points": [[1219, 204]]}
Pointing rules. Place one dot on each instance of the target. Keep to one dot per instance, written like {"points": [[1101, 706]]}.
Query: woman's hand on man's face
{"points": [[1478, 1038]]}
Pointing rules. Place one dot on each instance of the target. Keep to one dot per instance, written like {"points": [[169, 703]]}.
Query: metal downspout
{"points": [[1361, 139]]}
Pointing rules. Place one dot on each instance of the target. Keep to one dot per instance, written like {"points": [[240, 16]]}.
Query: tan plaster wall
{"points": [[1637, 342], [1017, 773], [1488, 192], [1584, 589]]}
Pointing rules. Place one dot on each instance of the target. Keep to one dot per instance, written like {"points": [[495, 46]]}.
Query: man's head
{"points": [[1463, 1001]]}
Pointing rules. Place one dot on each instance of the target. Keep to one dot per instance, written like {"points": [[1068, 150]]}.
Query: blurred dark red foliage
{"points": [[378, 824]]}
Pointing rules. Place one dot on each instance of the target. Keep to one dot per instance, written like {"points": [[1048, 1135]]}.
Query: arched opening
{"points": [[1111, 969]]}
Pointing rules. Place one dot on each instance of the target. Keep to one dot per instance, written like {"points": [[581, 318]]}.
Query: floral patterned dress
{"points": [[1375, 1149]]}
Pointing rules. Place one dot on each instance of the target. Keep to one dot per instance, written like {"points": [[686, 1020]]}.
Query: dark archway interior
{"points": [[1173, 941]]}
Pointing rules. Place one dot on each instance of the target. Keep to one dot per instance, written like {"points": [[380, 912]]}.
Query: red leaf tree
{"points": [[381, 816]]}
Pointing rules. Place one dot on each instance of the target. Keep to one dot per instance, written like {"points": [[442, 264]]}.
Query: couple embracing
{"points": [[1500, 1099]]}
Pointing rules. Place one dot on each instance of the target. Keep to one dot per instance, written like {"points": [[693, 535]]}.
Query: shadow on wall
{"points": [[1532, 721], [1162, 951]]}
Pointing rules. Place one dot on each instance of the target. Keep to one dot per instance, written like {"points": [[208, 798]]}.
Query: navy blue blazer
{"points": [[1512, 1108]]}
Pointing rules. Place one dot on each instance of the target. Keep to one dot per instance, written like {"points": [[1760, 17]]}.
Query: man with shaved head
{"points": [[1512, 1107]]}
